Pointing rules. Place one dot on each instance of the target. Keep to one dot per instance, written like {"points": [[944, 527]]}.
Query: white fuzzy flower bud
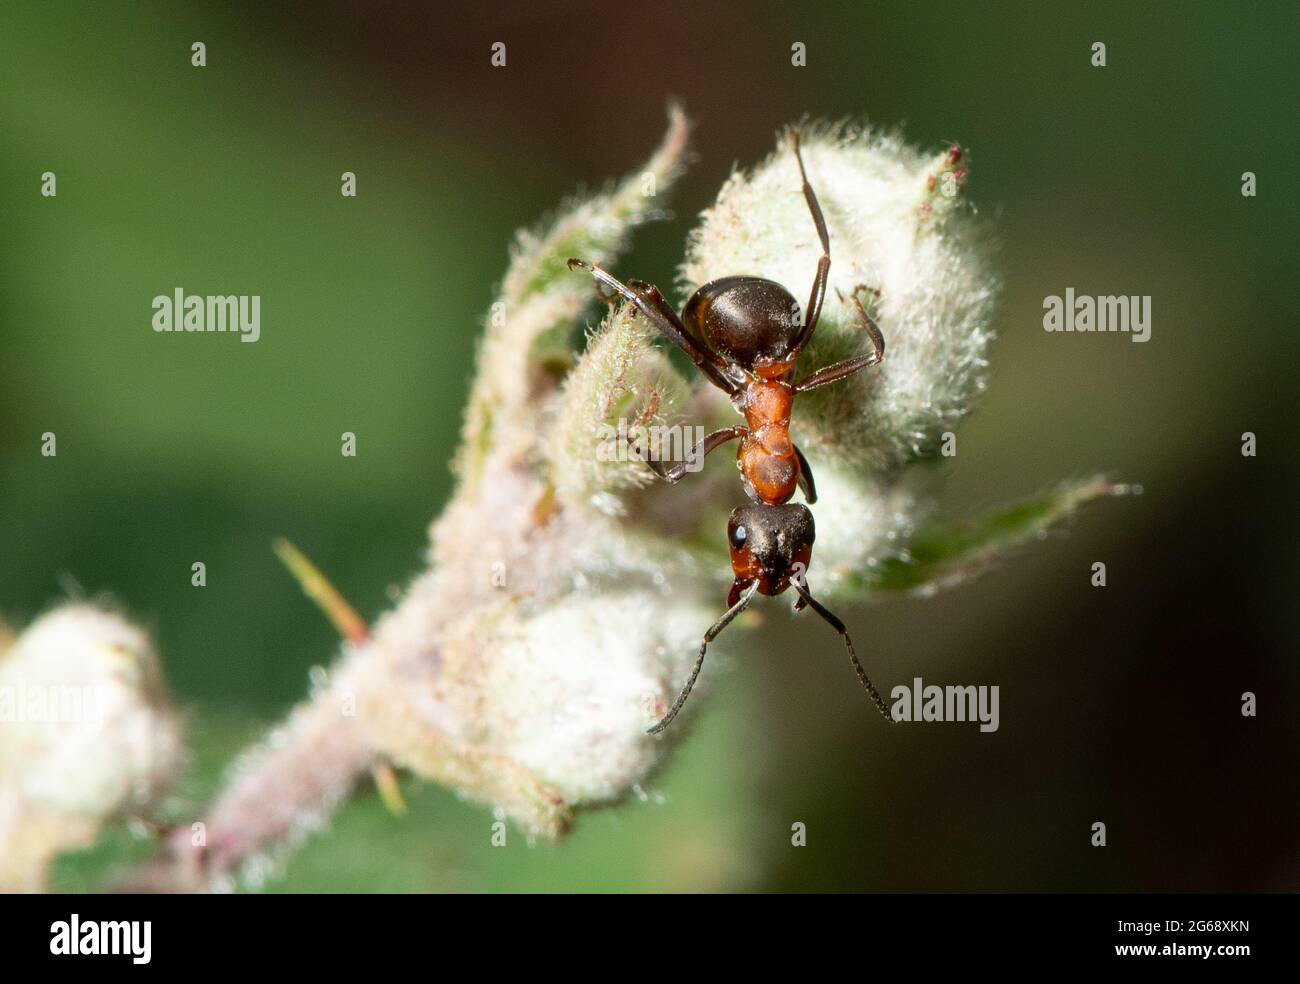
{"points": [[622, 384], [86, 735], [896, 226], [533, 691], [567, 591]]}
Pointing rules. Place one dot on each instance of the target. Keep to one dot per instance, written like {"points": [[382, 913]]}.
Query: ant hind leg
{"points": [[842, 370], [868, 323], [650, 302], [818, 293]]}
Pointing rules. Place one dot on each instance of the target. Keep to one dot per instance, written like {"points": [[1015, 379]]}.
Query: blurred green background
{"points": [[1118, 705]]}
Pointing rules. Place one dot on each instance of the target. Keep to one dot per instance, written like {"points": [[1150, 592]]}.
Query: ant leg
{"points": [[806, 478], [841, 370], [678, 471], [836, 372], [651, 294], [651, 303], [823, 265], [838, 626], [709, 636], [606, 297], [868, 323]]}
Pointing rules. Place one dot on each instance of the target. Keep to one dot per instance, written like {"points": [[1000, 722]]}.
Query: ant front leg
{"points": [[842, 370], [694, 459]]}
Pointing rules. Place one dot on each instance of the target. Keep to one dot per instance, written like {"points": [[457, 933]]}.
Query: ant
{"points": [[745, 334]]}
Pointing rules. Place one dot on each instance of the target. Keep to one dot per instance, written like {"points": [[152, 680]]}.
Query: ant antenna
{"points": [[709, 636], [838, 626]]}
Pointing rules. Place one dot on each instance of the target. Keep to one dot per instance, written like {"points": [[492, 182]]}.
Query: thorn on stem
{"points": [[351, 626]]}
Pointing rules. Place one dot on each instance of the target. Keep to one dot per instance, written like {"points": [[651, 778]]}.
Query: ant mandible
{"points": [[745, 334]]}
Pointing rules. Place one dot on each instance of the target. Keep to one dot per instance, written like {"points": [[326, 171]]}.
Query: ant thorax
{"points": [[768, 465]]}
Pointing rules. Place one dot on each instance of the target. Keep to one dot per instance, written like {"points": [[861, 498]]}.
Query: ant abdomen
{"points": [[747, 320]]}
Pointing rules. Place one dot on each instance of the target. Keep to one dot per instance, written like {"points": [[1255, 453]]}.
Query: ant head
{"points": [[749, 321], [770, 545]]}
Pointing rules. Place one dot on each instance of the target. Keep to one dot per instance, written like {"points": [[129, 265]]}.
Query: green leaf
{"points": [[945, 554]]}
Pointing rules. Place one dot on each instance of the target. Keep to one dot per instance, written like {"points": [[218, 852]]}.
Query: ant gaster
{"points": [[745, 334]]}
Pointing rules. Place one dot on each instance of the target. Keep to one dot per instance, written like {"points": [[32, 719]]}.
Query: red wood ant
{"points": [[745, 334]]}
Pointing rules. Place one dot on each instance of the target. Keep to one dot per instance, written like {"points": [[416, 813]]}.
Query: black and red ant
{"points": [[745, 334]]}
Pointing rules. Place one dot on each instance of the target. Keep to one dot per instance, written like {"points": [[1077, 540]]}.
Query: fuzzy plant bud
{"points": [[903, 236], [533, 691], [87, 735], [568, 588]]}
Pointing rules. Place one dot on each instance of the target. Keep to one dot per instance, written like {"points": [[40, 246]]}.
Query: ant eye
{"points": [[738, 535]]}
